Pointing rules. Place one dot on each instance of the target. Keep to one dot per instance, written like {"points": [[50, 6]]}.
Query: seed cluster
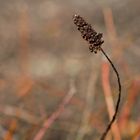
{"points": [[89, 34]]}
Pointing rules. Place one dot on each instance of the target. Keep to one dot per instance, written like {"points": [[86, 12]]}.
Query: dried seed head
{"points": [[89, 34]]}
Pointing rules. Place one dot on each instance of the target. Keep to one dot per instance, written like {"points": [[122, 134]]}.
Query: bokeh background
{"points": [[51, 86]]}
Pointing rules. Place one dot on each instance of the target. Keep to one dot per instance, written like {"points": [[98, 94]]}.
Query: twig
{"points": [[48, 122], [136, 135], [10, 131], [127, 107], [23, 34], [89, 101], [95, 41], [109, 98], [119, 96], [19, 113]]}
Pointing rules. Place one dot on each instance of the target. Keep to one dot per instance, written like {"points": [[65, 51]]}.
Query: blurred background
{"points": [[51, 86]]}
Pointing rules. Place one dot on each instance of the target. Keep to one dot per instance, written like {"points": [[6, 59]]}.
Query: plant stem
{"points": [[119, 97]]}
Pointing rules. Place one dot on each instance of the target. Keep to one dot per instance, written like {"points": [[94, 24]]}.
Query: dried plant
{"points": [[89, 34], [95, 41]]}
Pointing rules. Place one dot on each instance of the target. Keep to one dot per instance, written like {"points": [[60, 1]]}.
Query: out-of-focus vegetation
{"points": [[51, 86]]}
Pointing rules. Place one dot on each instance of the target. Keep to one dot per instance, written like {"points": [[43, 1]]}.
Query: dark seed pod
{"points": [[89, 34]]}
